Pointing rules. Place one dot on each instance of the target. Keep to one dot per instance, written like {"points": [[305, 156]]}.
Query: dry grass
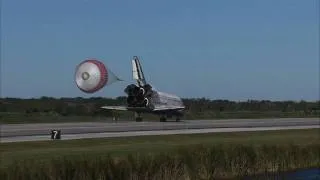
{"points": [[196, 162]]}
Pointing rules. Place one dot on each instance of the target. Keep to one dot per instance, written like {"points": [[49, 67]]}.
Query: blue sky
{"points": [[236, 50]]}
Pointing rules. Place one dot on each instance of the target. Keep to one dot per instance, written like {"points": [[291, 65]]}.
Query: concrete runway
{"points": [[35, 132]]}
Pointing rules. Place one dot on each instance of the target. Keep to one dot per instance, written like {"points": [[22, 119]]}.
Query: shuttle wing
{"points": [[164, 108], [126, 108], [157, 108], [120, 108]]}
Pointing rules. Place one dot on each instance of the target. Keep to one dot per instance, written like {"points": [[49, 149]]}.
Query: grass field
{"points": [[198, 156], [122, 146]]}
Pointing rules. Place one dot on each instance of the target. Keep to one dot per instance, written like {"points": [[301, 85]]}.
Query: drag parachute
{"points": [[92, 75]]}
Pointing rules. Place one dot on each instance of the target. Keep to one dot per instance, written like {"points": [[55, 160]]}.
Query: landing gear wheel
{"points": [[178, 119], [163, 119], [138, 119]]}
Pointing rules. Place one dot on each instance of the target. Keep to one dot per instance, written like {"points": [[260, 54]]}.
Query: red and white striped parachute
{"points": [[92, 75]]}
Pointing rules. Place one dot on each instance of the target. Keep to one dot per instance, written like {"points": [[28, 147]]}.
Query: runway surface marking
{"points": [[146, 133], [9, 130], [42, 131]]}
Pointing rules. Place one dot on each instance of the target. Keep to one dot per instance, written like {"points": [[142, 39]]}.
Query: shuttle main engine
{"points": [[138, 96], [92, 75]]}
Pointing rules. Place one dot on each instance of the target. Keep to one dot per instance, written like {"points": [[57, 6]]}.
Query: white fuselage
{"points": [[165, 99]]}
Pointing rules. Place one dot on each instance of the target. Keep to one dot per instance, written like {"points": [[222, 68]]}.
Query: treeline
{"points": [[194, 106]]}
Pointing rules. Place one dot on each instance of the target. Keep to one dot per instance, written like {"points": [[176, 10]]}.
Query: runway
{"points": [[36, 132]]}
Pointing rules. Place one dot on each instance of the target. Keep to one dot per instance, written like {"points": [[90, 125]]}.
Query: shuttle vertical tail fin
{"points": [[137, 72]]}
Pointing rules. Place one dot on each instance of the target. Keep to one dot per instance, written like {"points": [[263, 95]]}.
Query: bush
{"points": [[198, 162]]}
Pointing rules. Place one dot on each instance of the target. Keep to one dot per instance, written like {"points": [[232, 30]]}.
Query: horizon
{"points": [[210, 49], [189, 98]]}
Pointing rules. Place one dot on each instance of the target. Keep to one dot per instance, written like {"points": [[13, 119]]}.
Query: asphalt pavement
{"points": [[41, 131]]}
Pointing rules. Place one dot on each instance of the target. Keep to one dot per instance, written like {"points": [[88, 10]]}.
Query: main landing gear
{"points": [[163, 118], [178, 119], [138, 117]]}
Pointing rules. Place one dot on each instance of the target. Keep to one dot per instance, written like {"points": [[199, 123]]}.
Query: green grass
{"points": [[198, 156], [195, 162], [45, 150], [20, 118]]}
